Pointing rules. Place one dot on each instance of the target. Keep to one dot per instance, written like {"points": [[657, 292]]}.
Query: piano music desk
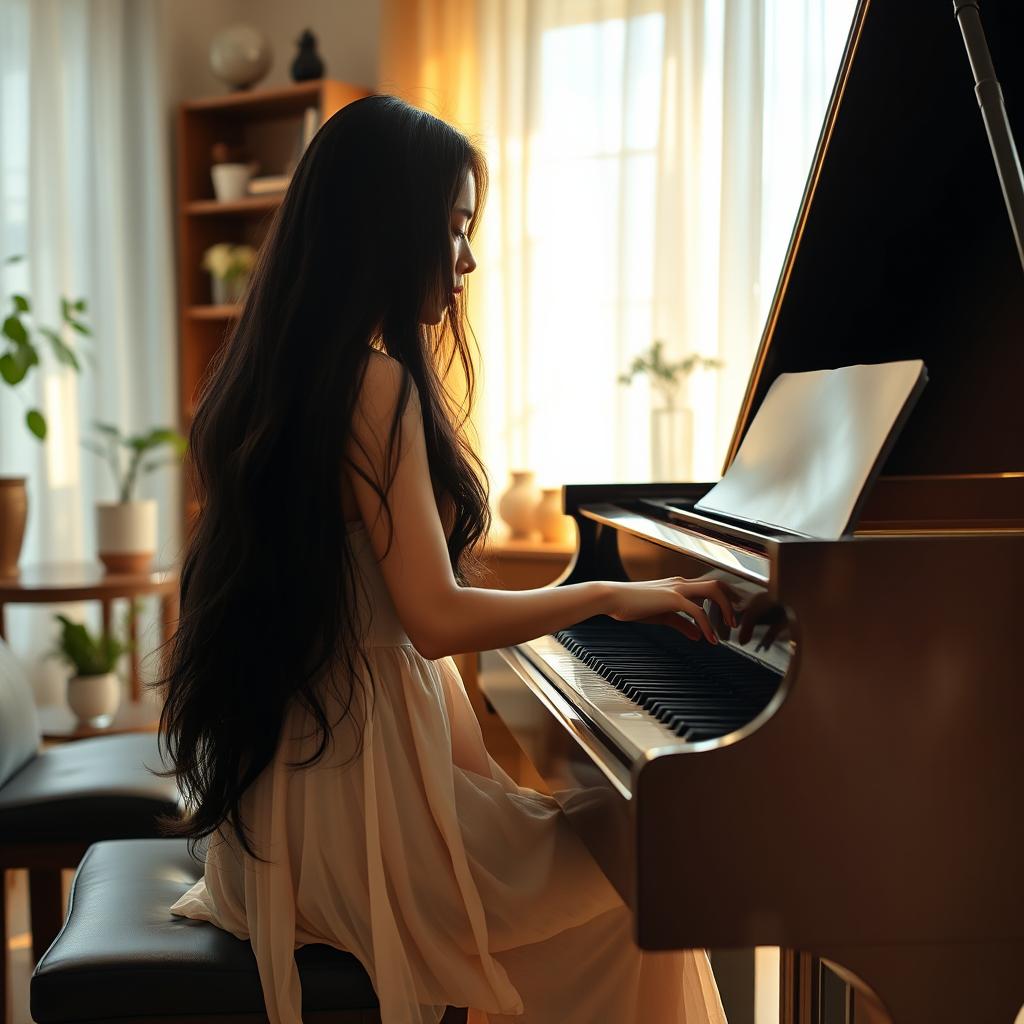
{"points": [[511, 565]]}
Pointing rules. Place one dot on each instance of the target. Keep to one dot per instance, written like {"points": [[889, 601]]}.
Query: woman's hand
{"points": [[662, 601]]}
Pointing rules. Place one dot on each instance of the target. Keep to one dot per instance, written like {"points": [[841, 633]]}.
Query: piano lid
{"points": [[903, 249]]}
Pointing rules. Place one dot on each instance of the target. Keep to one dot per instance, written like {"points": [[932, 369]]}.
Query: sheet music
{"points": [[815, 446]]}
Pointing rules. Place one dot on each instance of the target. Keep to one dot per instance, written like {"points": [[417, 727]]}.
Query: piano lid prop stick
{"points": [[993, 113]]}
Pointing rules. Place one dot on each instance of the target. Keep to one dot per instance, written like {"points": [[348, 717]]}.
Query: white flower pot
{"points": [[126, 534], [226, 291], [230, 181], [95, 699]]}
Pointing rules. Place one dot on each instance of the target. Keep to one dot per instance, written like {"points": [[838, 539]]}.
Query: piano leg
{"points": [[933, 984]]}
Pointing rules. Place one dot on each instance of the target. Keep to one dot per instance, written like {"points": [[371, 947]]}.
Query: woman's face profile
{"points": [[462, 256]]}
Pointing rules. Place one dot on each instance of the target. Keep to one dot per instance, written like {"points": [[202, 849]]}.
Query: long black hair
{"points": [[359, 246]]}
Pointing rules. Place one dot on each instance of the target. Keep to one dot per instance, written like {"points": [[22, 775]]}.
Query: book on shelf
{"points": [[268, 183]]}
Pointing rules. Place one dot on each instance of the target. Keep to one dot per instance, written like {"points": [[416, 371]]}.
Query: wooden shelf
{"points": [[248, 205], [256, 121], [288, 99], [210, 312]]}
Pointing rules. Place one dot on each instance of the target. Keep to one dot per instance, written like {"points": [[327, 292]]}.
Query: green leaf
{"points": [[80, 305], [20, 303], [9, 369], [15, 330], [14, 259], [14, 365], [75, 325], [36, 422], [107, 428]]}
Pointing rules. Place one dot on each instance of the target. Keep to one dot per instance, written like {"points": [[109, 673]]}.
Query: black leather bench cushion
{"points": [[120, 953], [86, 791]]}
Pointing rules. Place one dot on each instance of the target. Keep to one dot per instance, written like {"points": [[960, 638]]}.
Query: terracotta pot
{"points": [[555, 528], [95, 699], [126, 534], [13, 516], [517, 504]]}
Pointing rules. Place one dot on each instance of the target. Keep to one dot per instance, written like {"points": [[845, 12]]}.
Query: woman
{"points": [[318, 728]]}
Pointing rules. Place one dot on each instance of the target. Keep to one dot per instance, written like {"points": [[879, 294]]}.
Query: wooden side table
{"points": [[60, 582], [59, 724]]}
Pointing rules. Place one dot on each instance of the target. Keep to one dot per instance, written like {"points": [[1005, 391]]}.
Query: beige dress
{"points": [[450, 883]]}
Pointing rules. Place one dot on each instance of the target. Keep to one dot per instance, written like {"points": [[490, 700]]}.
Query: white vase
{"points": [[230, 181], [226, 291], [95, 699], [517, 504], [671, 445], [554, 526], [126, 535]]}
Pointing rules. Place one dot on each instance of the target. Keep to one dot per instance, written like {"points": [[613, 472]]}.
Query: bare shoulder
{"points": [[385, 383], [386, 387]]}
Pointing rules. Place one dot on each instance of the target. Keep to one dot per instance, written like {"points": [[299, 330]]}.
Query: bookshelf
{"points": [[267, 123]]}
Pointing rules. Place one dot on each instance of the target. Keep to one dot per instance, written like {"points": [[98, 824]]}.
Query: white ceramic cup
{"points": [[230, 181]]}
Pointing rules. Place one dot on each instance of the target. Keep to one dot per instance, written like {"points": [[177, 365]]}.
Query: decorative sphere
{"points": [[239, 55]]}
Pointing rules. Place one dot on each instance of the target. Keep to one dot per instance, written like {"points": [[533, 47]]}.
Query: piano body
{"points": [[856, 788]]}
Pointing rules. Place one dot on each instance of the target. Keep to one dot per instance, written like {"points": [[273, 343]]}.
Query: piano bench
{"points": [[121, 956]]}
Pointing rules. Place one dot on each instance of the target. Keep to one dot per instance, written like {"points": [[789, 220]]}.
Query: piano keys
{"points": [[850, 783]]}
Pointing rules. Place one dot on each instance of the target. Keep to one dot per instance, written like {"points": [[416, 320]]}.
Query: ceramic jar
{"points": [[516, 506], [95, 699], [555, 528], [126, 534], [13, 515]]}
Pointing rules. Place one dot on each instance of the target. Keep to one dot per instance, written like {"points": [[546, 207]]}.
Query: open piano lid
{"points": [[903, 250]]}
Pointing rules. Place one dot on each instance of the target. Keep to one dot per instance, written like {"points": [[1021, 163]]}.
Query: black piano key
{"points": [[698, 691]]}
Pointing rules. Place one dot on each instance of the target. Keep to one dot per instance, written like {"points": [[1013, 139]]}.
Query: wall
{"points": [[347, 34]]}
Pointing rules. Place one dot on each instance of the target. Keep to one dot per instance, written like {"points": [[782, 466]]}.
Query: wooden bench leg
{"points": [[46, 910]]}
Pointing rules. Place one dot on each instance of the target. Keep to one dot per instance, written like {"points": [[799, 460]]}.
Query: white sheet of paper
{"points": [[811, 449]]}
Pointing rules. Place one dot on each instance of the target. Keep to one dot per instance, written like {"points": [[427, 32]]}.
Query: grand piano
{"points": [[850, 782]]}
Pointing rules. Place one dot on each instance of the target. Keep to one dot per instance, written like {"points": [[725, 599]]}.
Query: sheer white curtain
{"points": [[647, 161], [84, 196]]}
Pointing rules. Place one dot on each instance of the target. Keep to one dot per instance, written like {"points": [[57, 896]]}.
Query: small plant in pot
{"points": [[21, 351], [229, 267], [671, 420], [94, 689], [126, 528]]}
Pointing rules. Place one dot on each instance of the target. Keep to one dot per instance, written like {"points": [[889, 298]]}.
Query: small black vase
{"points": [[307, 63]]}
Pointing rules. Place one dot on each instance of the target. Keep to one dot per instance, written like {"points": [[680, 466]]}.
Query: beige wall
{"points": [[347, 34]]}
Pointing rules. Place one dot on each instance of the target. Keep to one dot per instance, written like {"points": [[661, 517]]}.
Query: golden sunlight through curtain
{"points": [[428, 57]]}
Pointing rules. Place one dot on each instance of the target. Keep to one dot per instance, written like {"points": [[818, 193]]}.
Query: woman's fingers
{"points": [[697, 613], [677, 622], [717, 592]]}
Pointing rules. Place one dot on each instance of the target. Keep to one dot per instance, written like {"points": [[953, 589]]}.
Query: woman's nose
{"points": [[468, 261]]}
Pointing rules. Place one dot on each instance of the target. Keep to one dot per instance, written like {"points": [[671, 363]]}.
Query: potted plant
{"points": [[229, 267], [126, 528], [19, 355], [671, 420], [94, 690]]}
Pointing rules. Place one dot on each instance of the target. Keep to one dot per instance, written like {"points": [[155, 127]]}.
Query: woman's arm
{"points": [[441, 617]]}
